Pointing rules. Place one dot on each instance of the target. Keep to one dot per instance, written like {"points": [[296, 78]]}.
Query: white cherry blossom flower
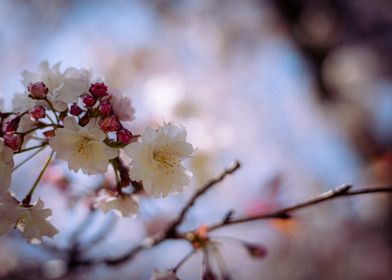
{"points": [[34, 224], [25, 125], [9, 212], [164, 275], [22, 103], [125, 204], [83, 147], [156, 160], [63, 88], [6, 165], [122, 105], [75, 83]]}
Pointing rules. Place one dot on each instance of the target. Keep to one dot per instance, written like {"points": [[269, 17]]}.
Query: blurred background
{"points": [[299, 91]]}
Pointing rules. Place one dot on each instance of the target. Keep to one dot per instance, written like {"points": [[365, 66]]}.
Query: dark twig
{"points": [[102, 233], [341, 191], [172, 233], [147, 244], [200, 192], [83, 226]]}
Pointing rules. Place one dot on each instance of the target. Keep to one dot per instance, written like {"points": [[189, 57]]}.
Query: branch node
{"points": [[284, 216], [342, 189]]}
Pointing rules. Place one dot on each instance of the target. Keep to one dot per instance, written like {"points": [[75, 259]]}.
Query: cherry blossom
{"points": [[83, 147], [157, 160], [9, 212], [34, 224], [124, 204], [122, 105]]}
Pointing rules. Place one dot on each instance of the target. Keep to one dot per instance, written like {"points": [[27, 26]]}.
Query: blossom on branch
{"points": [[31, 221], [61, 88], [10, 212], [157, 159], [122, 105], [124, 203], [83, 147], [34, 224]]}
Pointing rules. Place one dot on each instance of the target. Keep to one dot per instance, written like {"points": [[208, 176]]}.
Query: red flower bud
{"points": [[88, 100], [124, 136], [12, 125], [98, 90], [37, 90], [256, 250], [105, 108], [109, 124], [75, 110], [37, 112], [13, 141]]}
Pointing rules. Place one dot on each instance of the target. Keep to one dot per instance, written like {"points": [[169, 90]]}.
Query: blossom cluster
{"points": [[84, 122]]}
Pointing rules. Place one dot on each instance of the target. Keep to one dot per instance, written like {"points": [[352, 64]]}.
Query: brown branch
{"points": [[173, 227], [147, 244], [341, 191], [170, 232]]}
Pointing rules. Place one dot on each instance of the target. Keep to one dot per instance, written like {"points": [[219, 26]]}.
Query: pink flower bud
{"points": [[13, 141], [75, 110], [124, 136], [37, 112], [98, 90], [105, 108], [37, 90], [256, 250], [109, 124], [11, 126], [88, 100]]}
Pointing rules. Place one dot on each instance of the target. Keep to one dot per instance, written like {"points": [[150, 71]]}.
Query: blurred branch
{"points": [[341, 191], [102, 233], [172, 231], [83, 226], [200, 192]]}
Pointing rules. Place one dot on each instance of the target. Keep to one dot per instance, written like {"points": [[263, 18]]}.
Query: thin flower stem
{"points": [[50, 118], [28, 197], [115, 165], [184, 260], [29, 158], [220, 261], [53, 110], [32, 148], [39, 138], [39, 126]]}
